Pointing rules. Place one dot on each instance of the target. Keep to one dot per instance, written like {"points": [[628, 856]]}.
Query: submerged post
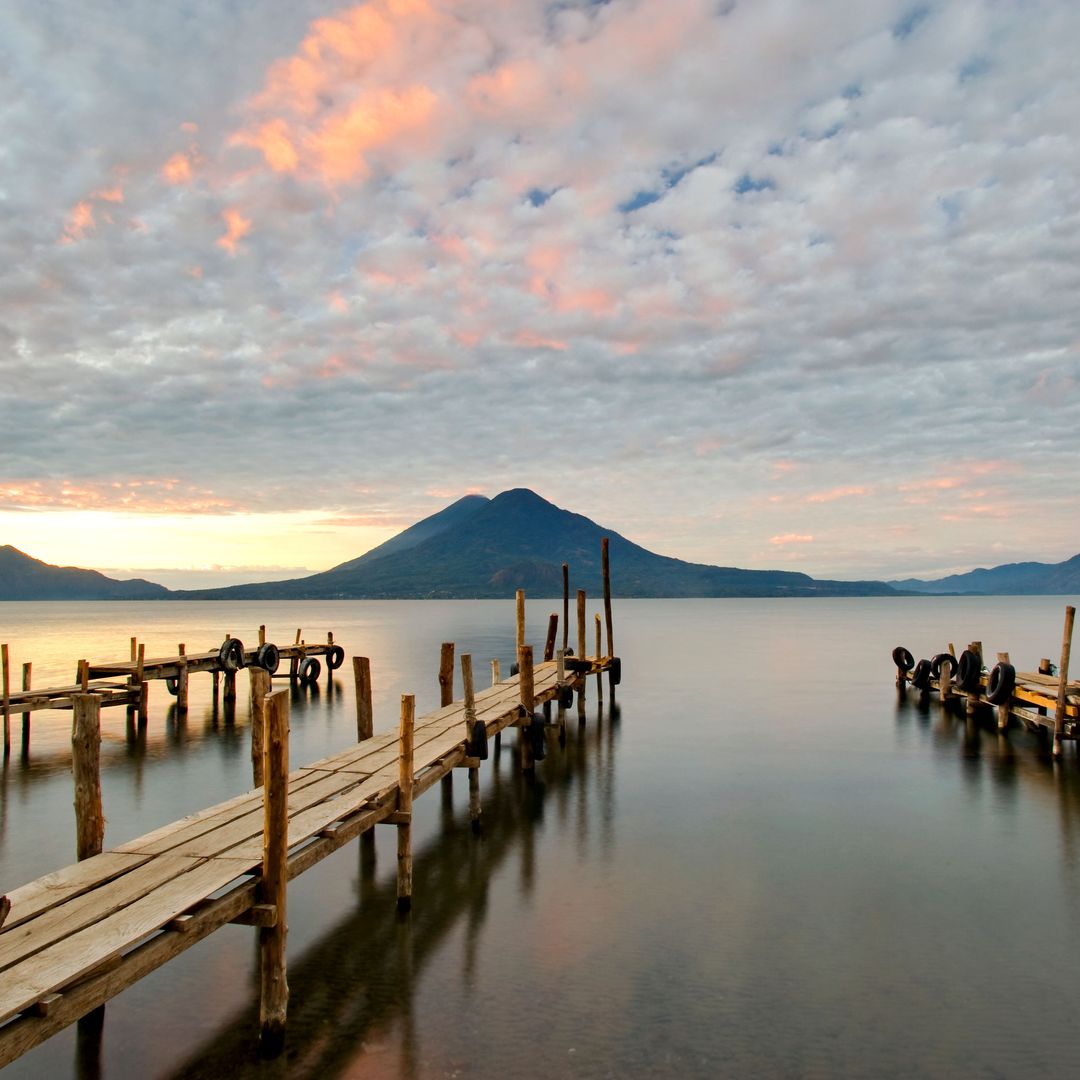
{"points": [[599, 661], [26, 670], [581, 646], [182, 679], [86, 768], [1063, 679], [274, 997], [404, 806], [565, 603], [446, 697], [365, 716]]}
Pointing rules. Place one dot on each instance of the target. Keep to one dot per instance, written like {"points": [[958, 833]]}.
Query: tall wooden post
{"points": [[945, 683], [274, 998], [1003, 708], [470, 720], [262, 634], [1063, 679], [560, 678], [86, 767], [404, 806], [261, 686], [26, 670], [973, 695], [565, 603], [365, 716], [519, 605], [5, 675], [599, 660], [581, 646], [496, 677], [528, 704], [446, 697], [605, 567]]}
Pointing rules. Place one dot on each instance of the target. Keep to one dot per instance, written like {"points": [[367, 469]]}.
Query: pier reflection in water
{"points": [[765, 868]]}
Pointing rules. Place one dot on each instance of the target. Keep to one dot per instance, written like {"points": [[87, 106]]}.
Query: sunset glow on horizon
{"points": [[759, 284]]}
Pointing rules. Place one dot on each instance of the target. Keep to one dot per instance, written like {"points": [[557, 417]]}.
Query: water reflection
{"points": [[356, 985]]}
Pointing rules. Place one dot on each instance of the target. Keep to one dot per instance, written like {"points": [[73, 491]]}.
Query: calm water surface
{"points": [[758, 864]]}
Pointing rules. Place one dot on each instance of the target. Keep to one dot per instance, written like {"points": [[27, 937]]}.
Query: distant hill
{"points": [[25, 578], [1010, 579], [479, 548]]}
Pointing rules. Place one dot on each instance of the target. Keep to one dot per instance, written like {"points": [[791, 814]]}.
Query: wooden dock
{"points": [[75, 938], [1044, 701]]}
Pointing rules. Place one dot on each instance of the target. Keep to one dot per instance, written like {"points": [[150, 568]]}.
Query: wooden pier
{"points": [[1044, 701], [75, 938]]}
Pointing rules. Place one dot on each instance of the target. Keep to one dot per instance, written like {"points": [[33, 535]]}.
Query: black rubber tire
{"points": [[566, 697], [902, 658], [969, 672], [1001, 684], [616, 671], [539, 742], [231, 654], [268, 657], [943, 658], [335, 657], [172, 684], [920, 677], [307, 674], [513, 669], [477, 745]]}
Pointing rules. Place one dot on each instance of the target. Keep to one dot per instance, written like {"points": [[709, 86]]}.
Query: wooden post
{"points": [[470, 720], [599, 660], [496, 672], [446, 674], [365, 715], [945, 683], [229, 692], [560, 678], [404, 806], [519, 598], [605, 566], [1045, 666], [83, 678], [26, 670], [1003, 708], [581, 646], [262, 634], [973, 695], [528, 703], [553, 629], [7, 698], [1063, 679], [182, 679], [86, 767], [261, 685], [274, 998], [134, 648], [143, 685], [565, 603], [446, 697], [294, 662]]}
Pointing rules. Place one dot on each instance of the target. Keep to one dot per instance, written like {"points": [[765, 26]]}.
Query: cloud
{"points": [[781, 271]]}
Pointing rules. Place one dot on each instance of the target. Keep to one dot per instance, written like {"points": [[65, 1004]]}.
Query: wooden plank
{"points": [[33, 935], [60, 886], [66, 961]]}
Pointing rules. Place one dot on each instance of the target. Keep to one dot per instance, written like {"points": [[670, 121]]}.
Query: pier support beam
{"points": [[274, 996], [446, 697], [261, 685], [605, 568], [470, 720], [86, 767], [5, 675], [182, 679], [405, 801], [365, 716], [528, 704], [1063, 679]]}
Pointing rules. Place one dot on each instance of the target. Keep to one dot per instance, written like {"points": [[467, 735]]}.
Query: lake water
{"points": [[761, 865]]}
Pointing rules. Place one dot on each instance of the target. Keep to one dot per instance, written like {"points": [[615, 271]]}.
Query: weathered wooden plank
{"points": [[46, 892], [66, 961], [58, 922]]}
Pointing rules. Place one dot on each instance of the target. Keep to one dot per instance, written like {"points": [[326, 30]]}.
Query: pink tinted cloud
{"points": [[177, 170], [791, 538], [236, 228], [141, 495], [79, 222], [838, 493]]}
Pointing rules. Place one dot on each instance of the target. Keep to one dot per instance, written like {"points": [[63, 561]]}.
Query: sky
{"points": [[761, 283]]}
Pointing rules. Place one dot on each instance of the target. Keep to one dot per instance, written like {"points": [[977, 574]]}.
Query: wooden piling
{"points": [[446, 697], [560, 680], [519, 605], [1003, 708], [605, 568], [581, 646], [470, 720], [945, 683], [973, 695], [365, 716], [261, 686], [528, 704], [599, 659], [182, 679], [86, 768], [565, 603], [1063, 679], [553, 629], [404, 805], [262, 634], [496, 672], [4, 674], [27, 668], [274, 997]]}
